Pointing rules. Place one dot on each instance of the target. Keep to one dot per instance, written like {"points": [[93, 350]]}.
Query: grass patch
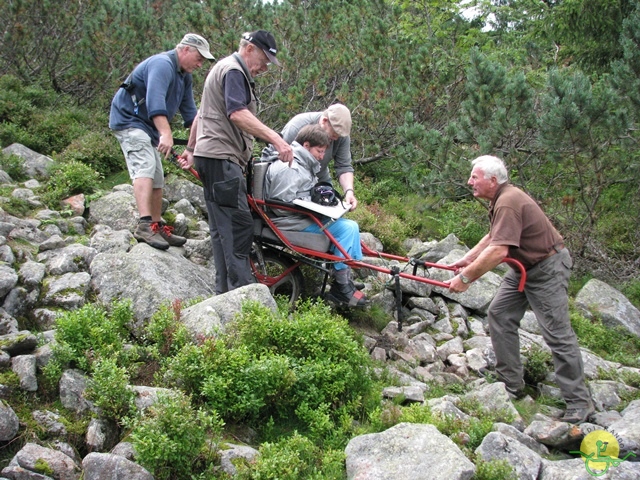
{"points": [[613, 344]]}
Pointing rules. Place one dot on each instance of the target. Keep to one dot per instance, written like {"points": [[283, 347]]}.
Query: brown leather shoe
{"points": [[167, 233], [578, 414], [149, 233]]}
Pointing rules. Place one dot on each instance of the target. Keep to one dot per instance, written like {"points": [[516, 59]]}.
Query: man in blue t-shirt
{"points": [[141, 112]]}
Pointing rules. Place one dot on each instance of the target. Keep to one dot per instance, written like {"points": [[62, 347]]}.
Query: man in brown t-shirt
{"points": [[521, 230]]}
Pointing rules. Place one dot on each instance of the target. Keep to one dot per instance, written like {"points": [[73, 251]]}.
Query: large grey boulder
{"points": [[116, 209], [73, 383], [615, 310], [497, 446], [480, 292], [495, 399], [213, 314], [407, 451], [107, 466], [627, 429], [8, 280], [149, 278], [9, 422], [177, 188], [35, 164], [27, 462]]}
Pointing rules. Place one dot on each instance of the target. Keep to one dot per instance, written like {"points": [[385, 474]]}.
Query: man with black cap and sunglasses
{"points": [[221, 144]]}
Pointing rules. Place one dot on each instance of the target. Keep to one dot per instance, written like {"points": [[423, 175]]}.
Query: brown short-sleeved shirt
{"points": [[518, 222]]}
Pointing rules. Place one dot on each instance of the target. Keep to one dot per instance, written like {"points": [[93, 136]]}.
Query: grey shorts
{"points": [[143, 160]]}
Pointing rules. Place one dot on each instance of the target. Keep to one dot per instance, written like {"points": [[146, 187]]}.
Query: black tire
{"points": [[275, 264]]}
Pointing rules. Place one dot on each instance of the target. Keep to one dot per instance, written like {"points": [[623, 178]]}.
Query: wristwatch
{"points": [[464, 279]]}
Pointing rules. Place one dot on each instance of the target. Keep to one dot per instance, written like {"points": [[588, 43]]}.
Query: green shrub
{"points": [[275, 365], [613, 344], [385, 226], [294, 458], [88, 334], [494, 470], [165, 332], [11, 133], [537, 365], [98, 150], [14, 166], [631, 290], [109, 389], [174, 440], [465, 219], [69, 179]]}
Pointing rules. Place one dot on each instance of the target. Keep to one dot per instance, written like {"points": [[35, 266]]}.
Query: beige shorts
{"points": [[143, 159]]}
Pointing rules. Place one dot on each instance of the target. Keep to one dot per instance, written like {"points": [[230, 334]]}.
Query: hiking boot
{"points": [[167, 233], [346, 294], [149, 233], [515, 394], [578, 414]]}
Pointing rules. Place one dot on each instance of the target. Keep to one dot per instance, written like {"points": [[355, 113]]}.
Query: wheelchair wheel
{"points": [[279, 273]]}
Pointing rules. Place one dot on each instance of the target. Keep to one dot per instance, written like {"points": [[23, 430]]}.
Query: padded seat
{"points": [[313, 241]]}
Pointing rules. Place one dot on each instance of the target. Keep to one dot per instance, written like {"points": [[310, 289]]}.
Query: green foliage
{"points": [[476, 428], [631, 290], [294, 458], [41, 466], [69, 179], [613, 344], [465, 219], [494, 470], [98, 150], [38, 118], [165, 331], [14, 166], [538, 363], [278, 366], [384, 225], [88, 334], [174, 440], [109, 389]]}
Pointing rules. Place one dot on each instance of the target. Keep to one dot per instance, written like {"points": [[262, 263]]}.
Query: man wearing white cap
{"points": [[336, 121], [141, 112], [221, 145]]}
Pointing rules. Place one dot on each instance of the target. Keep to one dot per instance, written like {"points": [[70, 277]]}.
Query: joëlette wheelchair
{"points": [[277, 254]]}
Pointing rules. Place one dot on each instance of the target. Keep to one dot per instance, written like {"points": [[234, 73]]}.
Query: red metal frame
{"points": [[258, 206]]}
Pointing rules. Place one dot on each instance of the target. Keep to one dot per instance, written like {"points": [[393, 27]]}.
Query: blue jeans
{"points": [[347, 233]]}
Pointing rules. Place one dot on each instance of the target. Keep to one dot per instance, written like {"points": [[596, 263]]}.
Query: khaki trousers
{"points": [[546, 293]]}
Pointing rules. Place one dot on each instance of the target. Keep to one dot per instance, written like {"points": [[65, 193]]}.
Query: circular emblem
{"points": [[599, 448]]}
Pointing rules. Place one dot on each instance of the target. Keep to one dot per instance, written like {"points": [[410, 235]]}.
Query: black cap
{"points": [[266, 42]]}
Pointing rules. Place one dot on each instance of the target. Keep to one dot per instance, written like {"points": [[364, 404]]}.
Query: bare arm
{"points": [[248, 122], [186, 158], [166, 137], [346, 182], [486, 260]]}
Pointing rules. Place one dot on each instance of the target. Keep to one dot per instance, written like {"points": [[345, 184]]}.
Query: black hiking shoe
{"points": [[346, 294]]}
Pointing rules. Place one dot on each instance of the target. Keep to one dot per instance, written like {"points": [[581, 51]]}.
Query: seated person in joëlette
{"points": [[286, 183]]}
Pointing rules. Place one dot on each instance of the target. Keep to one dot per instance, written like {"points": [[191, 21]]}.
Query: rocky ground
{"points": [[51, 263]]}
